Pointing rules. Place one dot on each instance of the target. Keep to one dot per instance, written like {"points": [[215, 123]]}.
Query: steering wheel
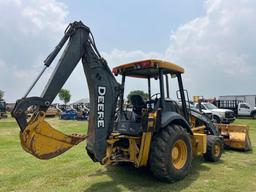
{"points": [[156, 95]]}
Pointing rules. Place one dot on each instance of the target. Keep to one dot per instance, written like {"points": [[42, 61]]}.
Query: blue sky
{"points": [[214, 40], [131, 25]]}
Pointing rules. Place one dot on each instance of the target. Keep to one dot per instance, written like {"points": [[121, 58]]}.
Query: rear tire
{"points": [[171, 153], [214, 148], [254, 115]]}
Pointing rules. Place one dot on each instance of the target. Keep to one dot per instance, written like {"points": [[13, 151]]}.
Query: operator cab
{"points": [[132, 121]]}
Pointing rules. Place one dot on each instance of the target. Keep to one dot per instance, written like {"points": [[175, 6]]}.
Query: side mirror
{"points": [[178, 95], [185, 93]]}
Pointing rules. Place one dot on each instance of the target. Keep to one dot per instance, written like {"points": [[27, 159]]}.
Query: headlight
{"points": [[222, 114]]}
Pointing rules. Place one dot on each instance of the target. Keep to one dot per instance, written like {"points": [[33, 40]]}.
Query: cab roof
{"points": [[147, 68]]}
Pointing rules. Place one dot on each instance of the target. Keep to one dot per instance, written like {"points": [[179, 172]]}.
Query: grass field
{"points": [[74, 171]]}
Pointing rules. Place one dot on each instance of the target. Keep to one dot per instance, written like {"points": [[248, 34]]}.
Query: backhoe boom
{"points": [[103, 91]]}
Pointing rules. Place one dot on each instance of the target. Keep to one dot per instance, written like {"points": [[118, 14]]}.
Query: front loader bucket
{"points": [[45, 142], [235, 136]]}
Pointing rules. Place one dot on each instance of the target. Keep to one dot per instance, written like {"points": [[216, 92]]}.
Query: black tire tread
{"points": [[211, 140], [252, 115], [159, 147]]}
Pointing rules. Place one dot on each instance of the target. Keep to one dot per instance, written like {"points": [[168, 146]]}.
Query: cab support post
{"points": [[161, 82], [182, 95]]}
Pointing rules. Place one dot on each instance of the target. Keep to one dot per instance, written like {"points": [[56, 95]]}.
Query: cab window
{"points": [[244, 106], [202, 106]]}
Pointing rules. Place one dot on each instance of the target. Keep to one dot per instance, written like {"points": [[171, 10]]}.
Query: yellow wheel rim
{"points": [[179, 154], [216, 150]]}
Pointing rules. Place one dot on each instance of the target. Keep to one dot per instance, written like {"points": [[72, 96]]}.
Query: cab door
{"points": [[244, 109]]}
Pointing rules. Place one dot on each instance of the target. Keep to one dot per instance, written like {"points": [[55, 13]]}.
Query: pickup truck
{"points": [[218, 115], [240, 108]]}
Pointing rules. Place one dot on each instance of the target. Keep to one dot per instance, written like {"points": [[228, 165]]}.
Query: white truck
{"points": [[218, 115], [239, 107], [244, 109]]}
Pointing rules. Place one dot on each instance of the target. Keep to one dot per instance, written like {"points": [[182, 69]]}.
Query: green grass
{"points": [[74, 171]]}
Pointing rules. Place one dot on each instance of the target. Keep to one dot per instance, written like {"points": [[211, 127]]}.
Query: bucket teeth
{"points": [[43, 141]]}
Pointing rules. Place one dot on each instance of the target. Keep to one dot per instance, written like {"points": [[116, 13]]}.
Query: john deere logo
{"points": [[100, 106]]}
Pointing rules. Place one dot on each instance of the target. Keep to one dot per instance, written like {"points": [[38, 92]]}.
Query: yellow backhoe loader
{"points": [[159, 132]]}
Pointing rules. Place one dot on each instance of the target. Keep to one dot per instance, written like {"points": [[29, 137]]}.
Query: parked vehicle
{"points": [[68, 115], [240, 108], [250, 99], [192, 106], [218, 115], [66, 112], [82, 111], [3, 113], [51, 112]]}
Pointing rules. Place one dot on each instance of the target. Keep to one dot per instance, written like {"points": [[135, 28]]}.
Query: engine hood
{"points": [[207, 111], [221, 110]]}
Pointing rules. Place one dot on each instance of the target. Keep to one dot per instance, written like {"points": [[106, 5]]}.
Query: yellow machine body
{"points": [[137, 152], [139, 147], [45, 142], [199, 143]]}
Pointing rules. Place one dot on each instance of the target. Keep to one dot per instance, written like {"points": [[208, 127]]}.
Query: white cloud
{"points": [[29, 29], [117, 57], [218, 49]]}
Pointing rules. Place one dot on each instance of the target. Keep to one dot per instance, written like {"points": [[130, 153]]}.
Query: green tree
{"points": [[64, 95], [1, 94], [137, 92]]}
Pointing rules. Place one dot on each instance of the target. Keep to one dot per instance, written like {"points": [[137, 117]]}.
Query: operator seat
{"points": [[138, 104]]}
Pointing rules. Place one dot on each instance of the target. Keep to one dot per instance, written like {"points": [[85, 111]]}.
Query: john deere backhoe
{"points": [[160, 132]]}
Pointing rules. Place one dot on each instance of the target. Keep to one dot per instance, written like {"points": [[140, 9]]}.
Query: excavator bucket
{"points": [[43, 141], [235, 136]]}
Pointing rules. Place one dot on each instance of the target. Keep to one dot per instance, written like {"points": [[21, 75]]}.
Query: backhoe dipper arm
{"points": [[103, 88]]}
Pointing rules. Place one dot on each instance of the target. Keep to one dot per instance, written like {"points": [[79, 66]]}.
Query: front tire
{"points": [[254, 115], [214, 148], [171, 153]]}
